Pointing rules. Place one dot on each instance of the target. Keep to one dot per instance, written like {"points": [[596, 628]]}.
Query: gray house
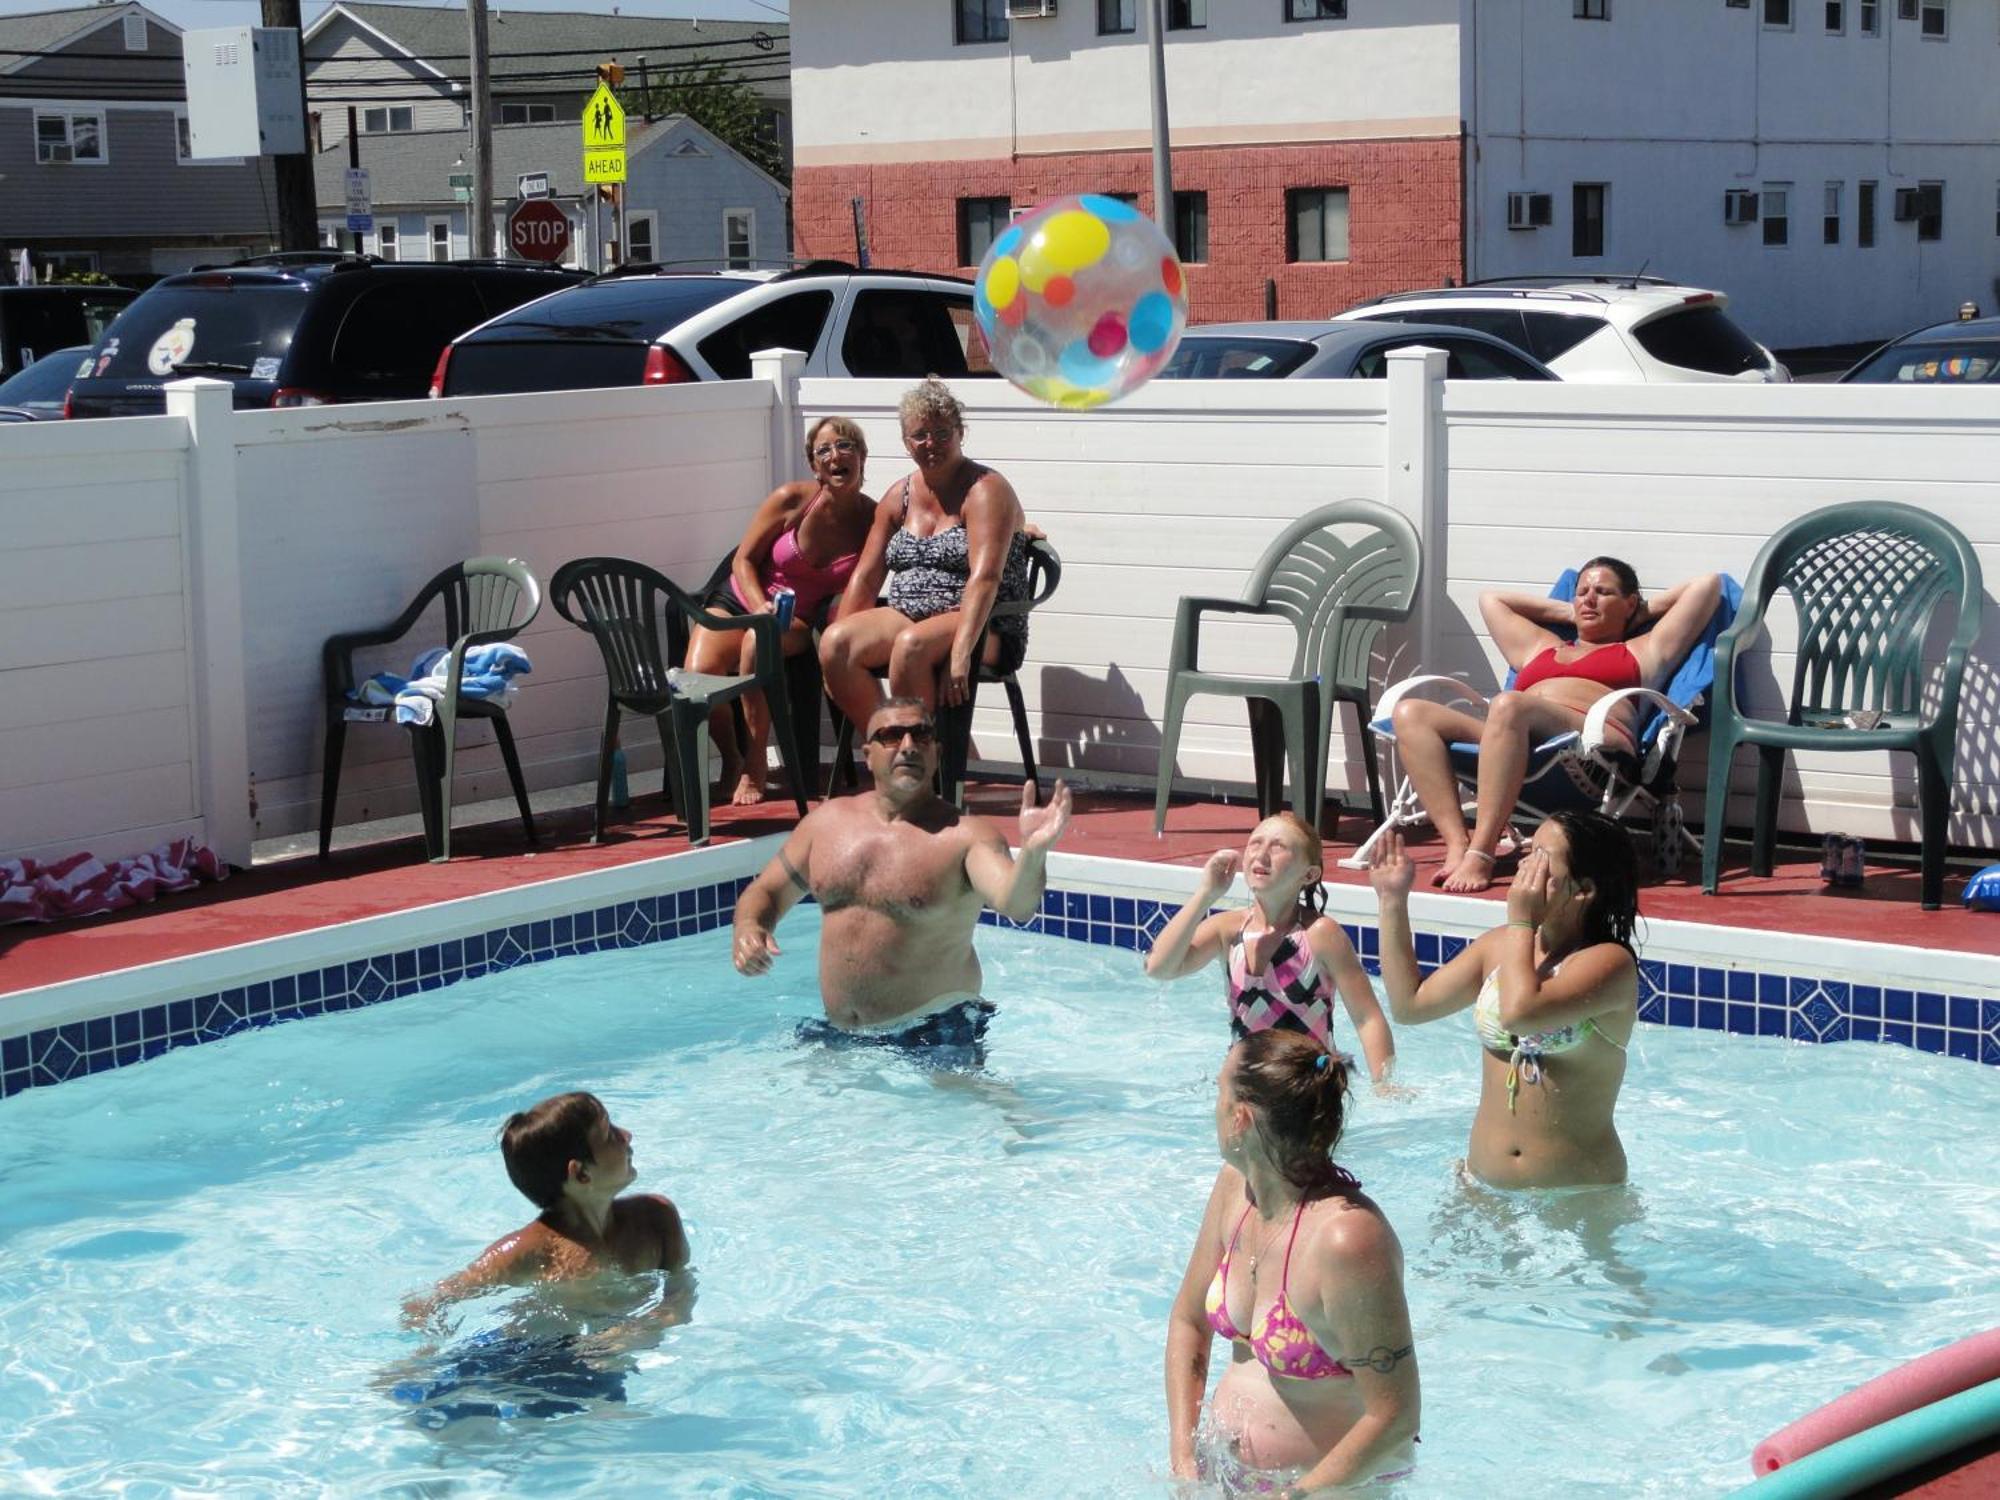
{"points": [[95, 173], [405, 67], [689, 198]]}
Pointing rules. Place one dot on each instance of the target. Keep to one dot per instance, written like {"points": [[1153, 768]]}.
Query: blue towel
{"points": [[488, 675]]}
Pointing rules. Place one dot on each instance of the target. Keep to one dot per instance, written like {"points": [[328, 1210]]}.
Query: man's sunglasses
{"points": [[891, 735]]}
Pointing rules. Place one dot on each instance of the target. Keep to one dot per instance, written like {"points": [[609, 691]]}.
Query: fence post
{"points": [[214, 550], [1413, 450], [783, 368]]}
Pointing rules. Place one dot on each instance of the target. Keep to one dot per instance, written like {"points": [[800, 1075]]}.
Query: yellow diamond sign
{"points": [[603, 137]]}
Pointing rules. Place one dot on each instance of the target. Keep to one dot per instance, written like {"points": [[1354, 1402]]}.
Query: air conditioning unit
{"points": [[1739, 206], [1918, 202], [1530, 210], [1030, 10]]}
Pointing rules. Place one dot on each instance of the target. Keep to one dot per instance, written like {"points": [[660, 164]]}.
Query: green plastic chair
{"points": [[1339, 592], [1867, 577]]}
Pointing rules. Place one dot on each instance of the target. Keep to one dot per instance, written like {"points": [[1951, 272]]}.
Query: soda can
{"points": [[784, 601], [1853, 861], [1829, 858]]}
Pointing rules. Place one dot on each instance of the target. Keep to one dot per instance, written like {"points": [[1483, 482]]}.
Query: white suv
{"points": [[647, 326], [1611, 328]]}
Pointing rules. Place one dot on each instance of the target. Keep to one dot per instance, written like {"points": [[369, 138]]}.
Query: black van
{"points": [[38, 320], [299, 329]]}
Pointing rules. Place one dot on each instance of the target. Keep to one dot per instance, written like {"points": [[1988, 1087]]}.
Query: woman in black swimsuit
{"points": [[950, 541]]}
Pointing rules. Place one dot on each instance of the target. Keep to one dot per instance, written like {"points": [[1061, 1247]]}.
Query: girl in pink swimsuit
{"points": [[1285, 962], [805, 537], [1298, 1269]]}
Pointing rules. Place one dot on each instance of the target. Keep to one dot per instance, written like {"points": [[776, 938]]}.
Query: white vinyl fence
{"points": [[165, 583]]}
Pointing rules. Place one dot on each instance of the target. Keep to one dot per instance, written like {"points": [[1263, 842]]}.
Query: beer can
{"points": [[783, 602]]}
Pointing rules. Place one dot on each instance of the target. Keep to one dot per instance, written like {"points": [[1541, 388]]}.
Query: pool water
{"points": [[931, 1285]]}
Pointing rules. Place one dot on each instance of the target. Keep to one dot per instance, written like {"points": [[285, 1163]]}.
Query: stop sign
{"points": [[538, 230]]}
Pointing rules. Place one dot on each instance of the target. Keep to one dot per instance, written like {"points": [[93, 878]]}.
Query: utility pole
{"points": [[1163, 167], [298, 210], [479, 212], [354, 156]]}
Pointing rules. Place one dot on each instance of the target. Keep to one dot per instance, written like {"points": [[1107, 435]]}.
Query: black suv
{"points": [[299, 329], [38, 320]]}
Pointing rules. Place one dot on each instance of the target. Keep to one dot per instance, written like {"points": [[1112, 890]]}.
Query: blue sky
{"points": [[190, 15]]}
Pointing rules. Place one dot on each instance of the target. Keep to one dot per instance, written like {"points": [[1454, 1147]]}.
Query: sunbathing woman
{"points": [[1556, 684], [805, 537], [1284, 960], [1299, 1270], [1554, 997]]}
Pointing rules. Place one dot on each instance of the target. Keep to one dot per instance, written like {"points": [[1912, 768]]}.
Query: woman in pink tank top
{"points": [[805, 538]]}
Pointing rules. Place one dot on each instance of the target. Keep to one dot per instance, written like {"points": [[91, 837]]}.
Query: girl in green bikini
{"points": [[1554, 996]]}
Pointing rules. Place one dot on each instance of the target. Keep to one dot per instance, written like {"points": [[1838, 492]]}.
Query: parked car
{"points": [[299, 329], [1957, 353], [1610, 328], [37, 392], [1339, 351], [37, 319], [647, 326]]}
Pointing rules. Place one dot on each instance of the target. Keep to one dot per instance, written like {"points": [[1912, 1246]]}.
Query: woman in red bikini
{"points": [[805, 537], [1555, 685], [1297, 1268]]}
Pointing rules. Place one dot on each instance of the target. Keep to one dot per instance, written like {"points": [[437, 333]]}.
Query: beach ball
{"points": [[1081, 302]]}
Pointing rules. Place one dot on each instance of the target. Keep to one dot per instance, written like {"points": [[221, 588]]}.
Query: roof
{"points": [[430, 32], [415, 167], [1973, 329], [48, 30], [1327, 333]]}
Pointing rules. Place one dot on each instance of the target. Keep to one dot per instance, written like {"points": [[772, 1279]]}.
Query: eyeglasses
{"points": [[931, 435], [891, 735], [838, 445]]}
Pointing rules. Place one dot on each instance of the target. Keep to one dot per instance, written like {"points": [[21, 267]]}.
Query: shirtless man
{"points": [[901, 875]]}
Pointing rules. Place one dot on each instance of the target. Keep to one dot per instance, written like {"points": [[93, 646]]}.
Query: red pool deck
{"points": [[296, 895]]}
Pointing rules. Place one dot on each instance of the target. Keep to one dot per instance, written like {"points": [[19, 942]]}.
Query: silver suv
{"points": [[647, 326], [1591, 328]]}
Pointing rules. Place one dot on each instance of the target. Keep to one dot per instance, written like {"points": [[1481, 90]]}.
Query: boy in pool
{"points": [[572, 1162]]}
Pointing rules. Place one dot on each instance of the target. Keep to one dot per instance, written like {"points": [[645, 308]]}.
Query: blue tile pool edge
{"points": [[1714, 997]]}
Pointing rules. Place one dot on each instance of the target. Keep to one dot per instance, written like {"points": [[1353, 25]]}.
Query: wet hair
{"points": [[1312, 897], [1299, 1091], [930, 402], [1601, 852], [540, 1142], [1624, 572], [843, 427], [903, 702]]}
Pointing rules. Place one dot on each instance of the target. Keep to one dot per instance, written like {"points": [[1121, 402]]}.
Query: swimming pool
{"points": [[934, 1286]]}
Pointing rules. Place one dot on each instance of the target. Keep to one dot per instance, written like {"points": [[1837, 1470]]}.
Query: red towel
{"points": [[82, 885]]}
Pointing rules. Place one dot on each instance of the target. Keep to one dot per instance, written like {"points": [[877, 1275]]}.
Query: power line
{"points": [[635, 48], [147, 90]]}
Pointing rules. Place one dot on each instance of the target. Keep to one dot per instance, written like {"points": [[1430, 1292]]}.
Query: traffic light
{"points": [[611, 73]]}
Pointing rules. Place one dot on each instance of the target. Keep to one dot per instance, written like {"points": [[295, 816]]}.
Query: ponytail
{"points": [[1299, 1091]]}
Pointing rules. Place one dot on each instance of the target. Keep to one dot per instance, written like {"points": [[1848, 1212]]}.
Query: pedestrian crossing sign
{"points": [[603, 137]]}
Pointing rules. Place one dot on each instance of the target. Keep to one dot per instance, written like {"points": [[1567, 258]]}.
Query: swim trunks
{"points": [[953, 1038], [506, 1376]]}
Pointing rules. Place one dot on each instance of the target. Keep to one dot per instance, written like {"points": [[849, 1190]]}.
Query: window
{"points": [[1776, 212], [1586, 218], [1315, 10], [440, 238], [1933, 16], [1829, 228], [1864, 215], [1906, 10], [1117, 16], [1467, 359], [1592, 10], [69, 135], [792, 322], [390, 119], [390, 337], [641, 239], [980, 21], [1700, 338], [981, 221], [1778, 13], [135, 33], [1836, 17], [1552, 335], [1869, 20], [1996, 209], [527, 114], [1316, 224], [905, 334], [739, 239], [1191, 226], [1930, 211], [385, 239], [1187, 15]]}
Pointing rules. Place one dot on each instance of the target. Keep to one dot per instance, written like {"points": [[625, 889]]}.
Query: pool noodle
{"points": [[1882, 1452], [1932, 1377]]}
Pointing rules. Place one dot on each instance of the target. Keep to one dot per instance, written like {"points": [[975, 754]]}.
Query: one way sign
{"points": [[603, 137]]}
